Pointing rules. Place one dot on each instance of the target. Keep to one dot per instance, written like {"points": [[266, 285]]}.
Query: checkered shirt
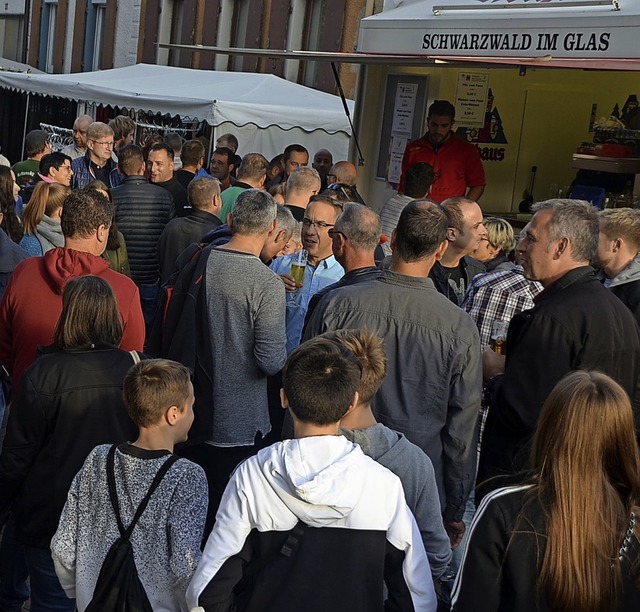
{"points": [[498, 296]]}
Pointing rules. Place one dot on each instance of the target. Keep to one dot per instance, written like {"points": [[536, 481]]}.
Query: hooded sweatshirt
{"points": [[32, 304], [626, 286], [415, 470], [48, 235], [311, 525]]}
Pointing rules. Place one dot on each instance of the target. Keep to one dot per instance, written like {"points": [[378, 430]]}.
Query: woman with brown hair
{"points": [[68, 401], [567, 541], [9, 192], [41, 218]]}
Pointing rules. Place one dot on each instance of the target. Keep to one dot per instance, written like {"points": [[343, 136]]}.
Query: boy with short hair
{"points": [[312, 524], [392, 449], [166, 540]]}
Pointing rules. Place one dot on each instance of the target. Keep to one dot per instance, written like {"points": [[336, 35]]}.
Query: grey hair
{"points": [[360, 225], [303, 179], [253, 212], [98, 130], [285, 221], [576, 220]]}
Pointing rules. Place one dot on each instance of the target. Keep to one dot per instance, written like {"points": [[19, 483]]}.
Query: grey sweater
{"points": [[414, 468], [166, 540], [246, 309]]}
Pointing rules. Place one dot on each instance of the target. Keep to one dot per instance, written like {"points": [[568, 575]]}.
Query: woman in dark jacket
{"points": [[567, 540], [68, 402]]}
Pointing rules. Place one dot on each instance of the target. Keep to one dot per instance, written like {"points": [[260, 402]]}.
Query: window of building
{"points": [[177, 22], [240, 25], [47, 35], [316, 16], [94, 35], [11, 37]]}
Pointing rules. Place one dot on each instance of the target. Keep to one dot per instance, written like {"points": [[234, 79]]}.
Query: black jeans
{"points": [[218, 463]]}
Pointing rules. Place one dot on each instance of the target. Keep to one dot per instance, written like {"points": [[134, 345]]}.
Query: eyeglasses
{"points": [[319, 225], [65, 167], [104, 143], [331, 177]]}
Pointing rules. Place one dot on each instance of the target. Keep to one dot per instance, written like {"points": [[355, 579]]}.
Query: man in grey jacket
{"points": [[434, 381], [245, 310]]}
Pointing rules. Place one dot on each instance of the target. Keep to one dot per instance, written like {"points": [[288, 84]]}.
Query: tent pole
{"points": [[26, 116], [346, 112]]}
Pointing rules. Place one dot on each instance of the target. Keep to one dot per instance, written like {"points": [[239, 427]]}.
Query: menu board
{"points": [[471, 98]]}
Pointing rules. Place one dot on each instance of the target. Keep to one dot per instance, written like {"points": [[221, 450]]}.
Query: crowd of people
{"points": [[280, 399]]}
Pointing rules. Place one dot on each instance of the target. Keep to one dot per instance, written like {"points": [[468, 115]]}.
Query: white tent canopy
{"points": [[215, 97], [265, 112]]}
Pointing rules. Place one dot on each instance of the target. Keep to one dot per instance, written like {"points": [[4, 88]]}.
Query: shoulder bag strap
{"points": [[164, 468], [135, 355], [111, 481]]}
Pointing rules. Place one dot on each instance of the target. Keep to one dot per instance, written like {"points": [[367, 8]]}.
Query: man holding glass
{"points": [[321, 268]]}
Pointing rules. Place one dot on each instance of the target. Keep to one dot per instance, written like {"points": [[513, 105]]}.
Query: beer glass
{"points": [[298, 264]]}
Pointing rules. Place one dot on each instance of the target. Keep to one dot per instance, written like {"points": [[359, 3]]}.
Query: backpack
{"points": [[118, 588]]}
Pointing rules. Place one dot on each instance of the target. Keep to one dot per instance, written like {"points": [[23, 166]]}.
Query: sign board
{"points": [[404, 108], [506, 28], [471, 98], [12, 7]]}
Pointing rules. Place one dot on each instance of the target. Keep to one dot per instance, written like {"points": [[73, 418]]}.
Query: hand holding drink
{"points": [[498, 341], [298, 265]]}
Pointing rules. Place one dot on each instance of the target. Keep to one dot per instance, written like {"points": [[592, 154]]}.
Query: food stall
{"points": [[536, 85]]}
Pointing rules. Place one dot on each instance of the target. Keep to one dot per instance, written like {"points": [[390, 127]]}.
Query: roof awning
{"points": [[598, 34]]}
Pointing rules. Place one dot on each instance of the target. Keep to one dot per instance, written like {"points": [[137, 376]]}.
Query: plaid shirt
{"points": [[498, 296]]}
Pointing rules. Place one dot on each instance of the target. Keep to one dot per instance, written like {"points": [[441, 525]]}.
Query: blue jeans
{"points": [[17, 562], [149, 296], [449, 576]]}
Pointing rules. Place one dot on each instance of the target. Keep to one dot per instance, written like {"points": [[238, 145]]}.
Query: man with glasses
{"points": [[322, 268], [344, 174], [97, 162]]}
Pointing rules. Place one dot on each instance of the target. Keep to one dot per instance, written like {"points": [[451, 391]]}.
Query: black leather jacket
{"points": [[67, 403]]}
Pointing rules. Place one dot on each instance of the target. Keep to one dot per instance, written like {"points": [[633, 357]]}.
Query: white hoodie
{"points": [[323, 481]]}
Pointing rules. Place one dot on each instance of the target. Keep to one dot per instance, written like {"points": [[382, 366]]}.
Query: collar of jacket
{"points": [[394, 278], [581, 274]]}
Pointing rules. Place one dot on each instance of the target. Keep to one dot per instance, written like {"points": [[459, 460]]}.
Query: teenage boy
{"points": [[392, 449], [166, 540], [312, 524]]}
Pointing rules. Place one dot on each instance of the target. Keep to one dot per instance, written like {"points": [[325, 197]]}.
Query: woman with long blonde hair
{"points": [[567, 541], [41, 218]]}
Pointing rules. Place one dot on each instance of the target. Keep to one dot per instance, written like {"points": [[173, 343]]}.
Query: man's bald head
{"points": [[344, 172]]}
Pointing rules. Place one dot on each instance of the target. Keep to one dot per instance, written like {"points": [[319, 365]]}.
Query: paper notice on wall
{"points": [[403, 111], [471, 98], [398, 145]]}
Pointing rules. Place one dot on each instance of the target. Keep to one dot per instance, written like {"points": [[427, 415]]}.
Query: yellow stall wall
{"points": [[545, 115]]}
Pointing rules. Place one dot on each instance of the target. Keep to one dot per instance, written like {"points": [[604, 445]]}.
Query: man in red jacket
{"points": [[32, 301], [456, 163]]}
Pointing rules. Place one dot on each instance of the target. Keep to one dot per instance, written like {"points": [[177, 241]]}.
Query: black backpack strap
{"points": [[164, 468], [111, 481]]}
